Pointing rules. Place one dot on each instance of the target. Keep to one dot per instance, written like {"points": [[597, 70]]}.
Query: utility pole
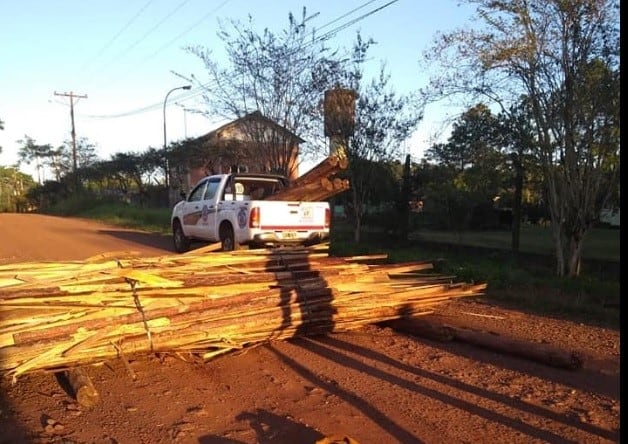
{"points": [[72, 96]]}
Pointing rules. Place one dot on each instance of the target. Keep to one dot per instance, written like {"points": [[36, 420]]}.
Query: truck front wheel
{"points": [[227, 238], [181, 243]]}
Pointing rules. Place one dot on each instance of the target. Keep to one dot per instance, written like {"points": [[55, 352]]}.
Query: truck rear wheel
{"points": [[181, 242], [227, 238]]}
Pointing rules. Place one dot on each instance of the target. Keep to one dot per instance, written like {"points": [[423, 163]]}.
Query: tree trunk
{"points": [[575, 255], [357, 229], [516, 207], [403, 201]]}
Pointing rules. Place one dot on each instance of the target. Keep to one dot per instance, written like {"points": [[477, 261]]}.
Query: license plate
{"points": [[289, 235]]}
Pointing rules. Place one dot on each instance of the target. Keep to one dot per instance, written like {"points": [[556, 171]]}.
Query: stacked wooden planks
{"points": [[57, 315], [317, 184]]}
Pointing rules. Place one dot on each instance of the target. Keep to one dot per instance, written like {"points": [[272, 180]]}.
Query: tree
{"points": [[477, 166], [31, 152], [383, 121], [472, 147], [516, 138], [564, 56], [444, 203], [402, 203], [13, 188], [281, 75]]}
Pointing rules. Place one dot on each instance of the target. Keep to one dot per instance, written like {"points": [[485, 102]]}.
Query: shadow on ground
{"points": [[154, 240], [270, 428]]}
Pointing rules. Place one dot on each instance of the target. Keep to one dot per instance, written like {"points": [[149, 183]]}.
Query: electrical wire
{"points": [[144, 36], [195, 92], [197, 23], [115, 37]]}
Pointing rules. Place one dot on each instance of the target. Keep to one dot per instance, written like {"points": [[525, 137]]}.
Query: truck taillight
{"points": [[327, 217], [254, 218]]}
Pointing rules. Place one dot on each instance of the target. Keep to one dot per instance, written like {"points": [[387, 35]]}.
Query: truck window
{"points": [[212, 187], [197, 192]]}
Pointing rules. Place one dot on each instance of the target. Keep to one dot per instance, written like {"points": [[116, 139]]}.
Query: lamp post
{"points": [[167, 169]]}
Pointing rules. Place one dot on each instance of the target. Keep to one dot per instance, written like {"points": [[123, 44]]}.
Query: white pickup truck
{"points": [[230, 208]]}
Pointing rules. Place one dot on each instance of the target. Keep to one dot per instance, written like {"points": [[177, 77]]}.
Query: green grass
{"points": [[600, 243], [148, 219], [116, 213]]}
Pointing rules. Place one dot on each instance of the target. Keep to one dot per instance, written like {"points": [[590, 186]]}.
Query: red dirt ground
{"points": [[374, 385]]}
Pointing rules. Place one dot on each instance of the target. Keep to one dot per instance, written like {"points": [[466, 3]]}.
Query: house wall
{"points": [[234, 141], [253, 166]]}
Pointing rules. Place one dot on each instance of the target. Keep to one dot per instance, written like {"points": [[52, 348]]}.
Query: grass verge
{"points": [[156, 220]]}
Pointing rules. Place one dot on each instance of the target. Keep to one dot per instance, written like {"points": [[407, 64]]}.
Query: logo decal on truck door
{"points": [[242, 218], [204, 214]]}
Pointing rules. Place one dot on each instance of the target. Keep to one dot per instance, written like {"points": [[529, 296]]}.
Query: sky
{"points": [[119, 58]]}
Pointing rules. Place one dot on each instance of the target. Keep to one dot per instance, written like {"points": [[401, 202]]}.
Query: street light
{"points": [[167, 169]]}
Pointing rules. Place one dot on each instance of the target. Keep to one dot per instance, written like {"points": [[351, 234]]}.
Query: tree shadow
{"points": [[305, 304], [305, 299], [11, 430], [154, 240], [583, 379], [269, 429], [397, 431], [329, 347]]}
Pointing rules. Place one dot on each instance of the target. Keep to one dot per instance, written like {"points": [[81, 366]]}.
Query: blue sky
{"points": [[121, 54]]}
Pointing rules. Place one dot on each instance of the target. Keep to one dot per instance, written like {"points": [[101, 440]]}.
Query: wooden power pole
{"points": [[72, 96]]}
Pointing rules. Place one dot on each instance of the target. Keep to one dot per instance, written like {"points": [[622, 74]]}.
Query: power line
{"points": [[357, 19], [197, 23], [190, 28], [200, 89], [363, 5], [144, 36], [115, 37]]}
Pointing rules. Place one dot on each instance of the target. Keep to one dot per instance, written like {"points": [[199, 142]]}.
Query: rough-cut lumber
{"points": [[207, 303], [318, 183], [543, 353]]}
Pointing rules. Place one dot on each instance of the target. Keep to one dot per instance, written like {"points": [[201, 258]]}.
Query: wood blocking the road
{"points": [[60, 315]]}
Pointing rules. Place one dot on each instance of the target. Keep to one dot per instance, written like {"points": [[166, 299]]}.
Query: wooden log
{"points": [[82, 387], [421, 327], [302, 192], [328, 166], [542, 353]]}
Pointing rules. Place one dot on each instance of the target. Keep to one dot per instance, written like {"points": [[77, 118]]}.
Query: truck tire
{"points": [[227, 238], [181, 242]]}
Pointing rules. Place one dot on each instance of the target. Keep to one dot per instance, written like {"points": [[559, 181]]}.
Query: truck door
{"points": [[192, 210], [206, 225]]}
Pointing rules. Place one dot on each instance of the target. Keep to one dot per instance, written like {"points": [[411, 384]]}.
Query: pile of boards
{"points": [[57, 315], [320, 183]]}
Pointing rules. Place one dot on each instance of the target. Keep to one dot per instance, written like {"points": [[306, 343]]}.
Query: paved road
{"points": [[33, 237]]}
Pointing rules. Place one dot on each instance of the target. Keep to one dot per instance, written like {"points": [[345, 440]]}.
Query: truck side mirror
{"points": [[183, 195]]}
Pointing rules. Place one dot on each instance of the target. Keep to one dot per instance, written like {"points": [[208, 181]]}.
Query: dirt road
{"points": [[373, 385]]}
